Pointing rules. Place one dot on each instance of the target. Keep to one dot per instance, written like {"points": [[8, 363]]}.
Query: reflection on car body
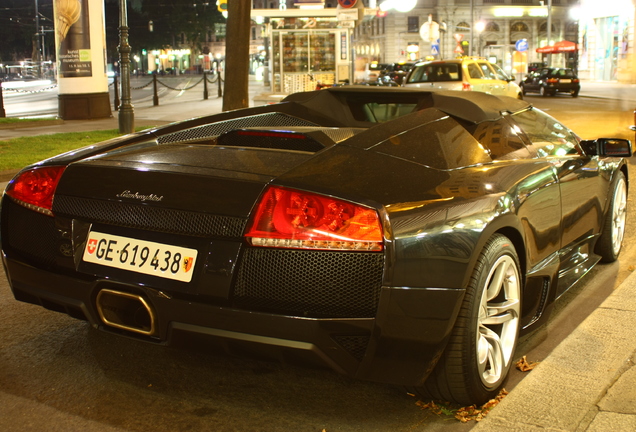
{"points": [[396, 235]]}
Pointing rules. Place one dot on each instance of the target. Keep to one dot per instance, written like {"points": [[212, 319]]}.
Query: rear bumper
{"points": [[399, 346]]}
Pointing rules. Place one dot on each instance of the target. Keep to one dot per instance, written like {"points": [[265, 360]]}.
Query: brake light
{"points": [[575, 80], [288, 218], [35, 188], [467, 87]]}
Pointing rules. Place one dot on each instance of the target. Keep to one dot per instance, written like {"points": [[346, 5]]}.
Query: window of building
{"points": [[413, 24], [462, 27], [519, 27], [492, 26]]}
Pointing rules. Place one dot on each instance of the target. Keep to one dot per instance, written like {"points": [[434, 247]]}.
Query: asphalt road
{"points": [[57, 373]]}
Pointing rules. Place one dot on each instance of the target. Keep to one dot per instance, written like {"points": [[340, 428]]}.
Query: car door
{"points": [[530, 83], [583, 189], [490, 77], [504, 86], [474, 76]]}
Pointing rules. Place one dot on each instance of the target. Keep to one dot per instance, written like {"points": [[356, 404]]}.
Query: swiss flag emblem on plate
{"points": [[347, 3]]}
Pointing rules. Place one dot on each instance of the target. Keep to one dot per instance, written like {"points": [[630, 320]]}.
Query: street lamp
{"points": [[126, 111]]}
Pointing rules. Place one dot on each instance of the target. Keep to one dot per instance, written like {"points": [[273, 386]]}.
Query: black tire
{"points": [[610, 241], [543, 92], [475, 364], [574, 93], [523, 89]]}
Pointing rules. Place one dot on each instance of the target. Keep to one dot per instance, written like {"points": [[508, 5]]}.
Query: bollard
{"points": [[218, 79], [155, 96], [205, 86], [3, 113], [116, 101]]}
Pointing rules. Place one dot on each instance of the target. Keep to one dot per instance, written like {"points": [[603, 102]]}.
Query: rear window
{"points": [[436, 73], [564, 73], [374, 108]]}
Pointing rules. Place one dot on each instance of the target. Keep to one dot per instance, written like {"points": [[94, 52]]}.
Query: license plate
{"points": [[565, 81], [156, 259]]}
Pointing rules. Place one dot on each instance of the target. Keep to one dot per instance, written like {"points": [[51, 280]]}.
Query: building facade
{"points": [[600, 41]]}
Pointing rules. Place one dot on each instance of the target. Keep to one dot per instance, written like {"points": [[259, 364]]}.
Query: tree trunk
{"points": [[237, 55]]}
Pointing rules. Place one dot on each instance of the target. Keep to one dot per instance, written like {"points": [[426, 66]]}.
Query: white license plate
{"points": [[565, 81], [156, 259]]}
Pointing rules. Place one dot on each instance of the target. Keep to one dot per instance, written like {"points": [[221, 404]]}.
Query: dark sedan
{"points": [[550, 81], [394, 73], [396, 235]]}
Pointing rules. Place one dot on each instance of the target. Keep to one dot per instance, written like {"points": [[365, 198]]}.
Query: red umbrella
{"points": [[559, 47]]}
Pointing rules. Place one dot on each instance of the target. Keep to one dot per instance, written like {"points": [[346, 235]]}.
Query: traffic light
{"points": [[221, 5]]}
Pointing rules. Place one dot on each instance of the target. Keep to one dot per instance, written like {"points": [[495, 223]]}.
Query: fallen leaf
{"points": [[464, 414], [524, 365]]}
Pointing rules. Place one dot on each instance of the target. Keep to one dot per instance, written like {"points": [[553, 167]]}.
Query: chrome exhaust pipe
{"points": [[126, 311]]}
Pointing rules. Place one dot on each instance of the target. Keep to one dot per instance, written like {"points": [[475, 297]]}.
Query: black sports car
{"points": [[396, 235]]}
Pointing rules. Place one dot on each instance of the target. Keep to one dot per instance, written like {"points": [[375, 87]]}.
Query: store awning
{"points": [[559, 47]]}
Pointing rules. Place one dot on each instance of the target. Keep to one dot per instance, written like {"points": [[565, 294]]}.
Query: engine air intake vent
{"points": [[215, 129]]}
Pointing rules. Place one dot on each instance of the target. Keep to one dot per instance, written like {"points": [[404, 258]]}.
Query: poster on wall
{"points": [[72, 29]]}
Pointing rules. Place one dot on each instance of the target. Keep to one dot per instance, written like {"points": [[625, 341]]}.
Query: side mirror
{"points": [[610, 147]]}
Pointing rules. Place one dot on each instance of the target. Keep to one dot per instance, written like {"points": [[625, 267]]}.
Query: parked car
{"points": [[394, 73], [397, 235], [468, 74], [371, 73], [552, 80]]}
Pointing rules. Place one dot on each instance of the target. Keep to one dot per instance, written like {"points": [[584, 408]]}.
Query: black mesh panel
{"points": [[149, 218], [310, 283]]}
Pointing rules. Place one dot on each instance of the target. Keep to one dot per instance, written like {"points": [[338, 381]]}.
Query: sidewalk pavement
{"points": [[587, 383]]}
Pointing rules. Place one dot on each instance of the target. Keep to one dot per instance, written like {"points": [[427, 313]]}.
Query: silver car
{"points": [[468, 74]]}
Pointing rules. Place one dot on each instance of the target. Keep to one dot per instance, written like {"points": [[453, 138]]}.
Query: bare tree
{"points": [[237, 50]]}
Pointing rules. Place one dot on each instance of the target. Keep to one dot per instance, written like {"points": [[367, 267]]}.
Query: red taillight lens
{"points": [[467, 87], [288, 218], [575, 80], [35, 188]]}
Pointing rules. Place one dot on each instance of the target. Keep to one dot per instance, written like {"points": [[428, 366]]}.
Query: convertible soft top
{"points": [[474, 107]]}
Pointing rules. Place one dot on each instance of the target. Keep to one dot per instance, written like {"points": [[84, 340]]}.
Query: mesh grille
{"points": [[149, 218], [356, 345], [310, 283], [216, 129], [30, 233]]}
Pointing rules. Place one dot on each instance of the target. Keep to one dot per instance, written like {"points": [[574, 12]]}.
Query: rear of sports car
{"points": [[161, 239]]}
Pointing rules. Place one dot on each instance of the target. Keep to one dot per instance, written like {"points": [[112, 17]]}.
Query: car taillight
{"points": [[575, 80], [289, 218], [35, 188], [467, 87]]}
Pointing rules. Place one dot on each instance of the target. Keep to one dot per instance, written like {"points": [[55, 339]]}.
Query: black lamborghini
{"points": [[396, 235]]}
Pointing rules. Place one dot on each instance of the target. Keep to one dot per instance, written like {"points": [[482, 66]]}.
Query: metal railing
{"points": [[156, 82]]}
